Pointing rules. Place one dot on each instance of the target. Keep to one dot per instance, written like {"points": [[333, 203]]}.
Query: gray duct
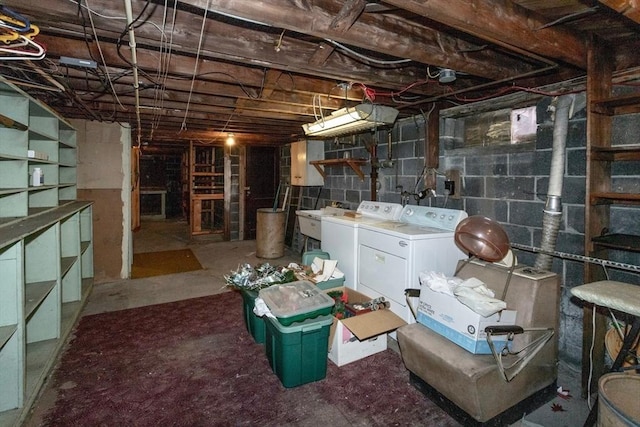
{"points": [[553, 207]]}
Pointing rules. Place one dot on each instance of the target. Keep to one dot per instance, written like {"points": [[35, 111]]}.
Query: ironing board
{"points": [[619, 296]]}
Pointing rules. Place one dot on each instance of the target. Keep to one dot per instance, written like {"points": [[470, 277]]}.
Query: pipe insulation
{"points": [[553, 206]]}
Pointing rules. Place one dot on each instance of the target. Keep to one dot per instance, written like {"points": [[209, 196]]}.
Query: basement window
{"points": [[507, 126]]}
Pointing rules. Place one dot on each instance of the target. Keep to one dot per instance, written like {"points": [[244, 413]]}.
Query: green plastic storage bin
{"points": [[296, 301], [309, 256], [297, 354], [331, 283], [255, 324]]}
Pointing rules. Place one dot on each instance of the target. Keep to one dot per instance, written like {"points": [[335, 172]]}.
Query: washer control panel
{"points": [[383, 210]]}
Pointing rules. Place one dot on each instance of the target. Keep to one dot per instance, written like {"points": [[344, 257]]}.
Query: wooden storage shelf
{"points": [[10, 123], [625, 104], [616, 153], [66, 263], [42, 260], [6, 332], [623, 242], [598, 198], [352, 163], [34, 294]]}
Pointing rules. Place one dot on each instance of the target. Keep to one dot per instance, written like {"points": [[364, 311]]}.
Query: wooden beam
{"points": [[629, 8], [505, 24], [351, 10], [374, 33]]}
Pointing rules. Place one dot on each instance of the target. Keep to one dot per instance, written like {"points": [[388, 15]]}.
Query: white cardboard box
{"points": [[360, 336], [450, 318]]}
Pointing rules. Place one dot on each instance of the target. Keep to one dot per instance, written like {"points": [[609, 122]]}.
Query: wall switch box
{"points": [[452, 183], [449, 186]]}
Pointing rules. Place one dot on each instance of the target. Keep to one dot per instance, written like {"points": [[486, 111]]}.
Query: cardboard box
{"points": [[450, 318], [360, 336]]}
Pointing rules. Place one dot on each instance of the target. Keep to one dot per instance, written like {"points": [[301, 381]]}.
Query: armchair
{"points": [[473, 388]]}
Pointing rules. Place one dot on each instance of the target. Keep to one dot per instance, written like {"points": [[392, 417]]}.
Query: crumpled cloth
{"points": [[475, 295], [260, 308], [471, 292], [438, 282]]}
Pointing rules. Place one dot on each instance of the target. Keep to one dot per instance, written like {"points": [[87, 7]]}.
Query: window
{"points": [[500, 127]]}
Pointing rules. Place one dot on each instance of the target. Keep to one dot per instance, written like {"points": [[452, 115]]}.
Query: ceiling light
{"points": [[447, 75], [360, 118], [230, 139]]}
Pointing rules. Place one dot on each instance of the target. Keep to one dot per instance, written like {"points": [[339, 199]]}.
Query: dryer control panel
{"points": [[427, 216]]}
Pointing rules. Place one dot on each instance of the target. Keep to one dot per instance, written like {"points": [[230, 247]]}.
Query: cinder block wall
{"points": [[507, 183]]}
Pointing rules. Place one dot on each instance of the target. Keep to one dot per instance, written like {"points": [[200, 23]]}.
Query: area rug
{"points": [[193, 363], [150, 264]]}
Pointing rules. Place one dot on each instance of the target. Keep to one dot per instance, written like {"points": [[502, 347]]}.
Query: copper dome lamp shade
{"points": [[485, 239]]}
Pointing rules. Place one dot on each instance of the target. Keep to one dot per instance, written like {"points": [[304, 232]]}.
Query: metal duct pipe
{"points": [[553, 206]]}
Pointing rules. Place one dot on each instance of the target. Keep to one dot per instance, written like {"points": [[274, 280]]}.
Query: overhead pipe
{"points": [[553, 206], [134, 63]]}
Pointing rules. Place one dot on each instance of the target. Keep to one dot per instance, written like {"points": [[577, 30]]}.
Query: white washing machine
{"points": [[393, 253], [339, 234]]}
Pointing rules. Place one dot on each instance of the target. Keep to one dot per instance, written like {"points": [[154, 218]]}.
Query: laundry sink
{"points": [[310, 220]]}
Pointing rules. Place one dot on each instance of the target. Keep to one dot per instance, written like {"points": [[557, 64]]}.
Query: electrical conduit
{"points": [[553, 207], [134, 62]]}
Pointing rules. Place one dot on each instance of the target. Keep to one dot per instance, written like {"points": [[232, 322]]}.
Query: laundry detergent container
{"points": [[297, 354], [296, 301]]}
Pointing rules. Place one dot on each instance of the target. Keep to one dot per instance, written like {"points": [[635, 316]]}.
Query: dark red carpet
{"points": [[193, 363]]}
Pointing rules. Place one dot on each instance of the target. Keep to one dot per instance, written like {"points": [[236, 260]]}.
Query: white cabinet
{"points": [[46, 250], [302, 172]]}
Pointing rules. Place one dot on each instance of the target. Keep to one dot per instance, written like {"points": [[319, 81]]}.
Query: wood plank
{"points": [[616, 153], [617, 198], [629, 8], [598, 180], [625, 242], [34, 294], [351, 10], [354, 164], [503, 23], [374, 33], [6, 332]]}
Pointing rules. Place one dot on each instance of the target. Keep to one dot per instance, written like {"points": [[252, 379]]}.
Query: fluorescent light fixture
{"points": [[360, 118], [77, 62]]}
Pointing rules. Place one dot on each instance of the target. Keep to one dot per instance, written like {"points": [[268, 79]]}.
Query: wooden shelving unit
{"points": [[46, 247], [354, 164], [206, 189], [603, 152]]}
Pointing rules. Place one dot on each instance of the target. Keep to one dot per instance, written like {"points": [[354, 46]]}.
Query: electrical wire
{"points": [[195, 67], [364, 57], [163, 67], [104, 62]]}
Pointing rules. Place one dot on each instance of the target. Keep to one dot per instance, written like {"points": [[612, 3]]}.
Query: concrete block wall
{"points": [[507, 183]]}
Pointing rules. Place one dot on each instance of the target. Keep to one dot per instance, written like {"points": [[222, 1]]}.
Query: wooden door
{"points": [[262, 179]]}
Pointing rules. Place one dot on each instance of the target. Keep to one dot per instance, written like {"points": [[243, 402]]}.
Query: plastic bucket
{"points": [[270, 233], [618, 400]]}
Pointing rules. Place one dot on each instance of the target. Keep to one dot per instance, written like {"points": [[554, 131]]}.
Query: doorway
{"points": [[262, 181]]}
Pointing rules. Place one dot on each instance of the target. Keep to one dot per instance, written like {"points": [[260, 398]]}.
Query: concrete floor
{"points": [[219, 258]]}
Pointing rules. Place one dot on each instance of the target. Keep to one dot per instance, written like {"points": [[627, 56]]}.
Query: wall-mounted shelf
{"points": [[352, 163]]}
